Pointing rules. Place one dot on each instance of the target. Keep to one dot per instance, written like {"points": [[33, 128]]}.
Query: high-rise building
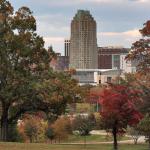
{"points": [[67, 47], [83, 43]]}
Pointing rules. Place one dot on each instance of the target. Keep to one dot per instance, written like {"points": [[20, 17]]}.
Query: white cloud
{"points": [[53, 39], [56, 42], [75, 2], [104, 39], [113, 1], [125, 38], [52, 24], [72, 2], [131, 33], [104, 1], [140, 1]]}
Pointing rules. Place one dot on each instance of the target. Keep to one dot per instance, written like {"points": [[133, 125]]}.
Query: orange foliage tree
{"points": [[62, 128], [32, 128]]}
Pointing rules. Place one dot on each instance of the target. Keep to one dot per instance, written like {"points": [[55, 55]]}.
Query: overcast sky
{"points": [[118, 21]]}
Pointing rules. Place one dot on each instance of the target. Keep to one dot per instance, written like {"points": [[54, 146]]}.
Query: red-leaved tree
{"points": [[118, 109]]}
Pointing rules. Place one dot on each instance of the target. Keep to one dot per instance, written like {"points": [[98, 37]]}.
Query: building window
{"points": [[116, 61], [109, 79]]}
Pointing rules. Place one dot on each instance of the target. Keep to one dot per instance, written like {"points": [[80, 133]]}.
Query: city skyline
{"points": [[118, 21]]}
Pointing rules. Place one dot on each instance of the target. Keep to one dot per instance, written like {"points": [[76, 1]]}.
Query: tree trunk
{"points": [[4, 124], [30, 139], [115, 144], [135, 140], [85, 141]]}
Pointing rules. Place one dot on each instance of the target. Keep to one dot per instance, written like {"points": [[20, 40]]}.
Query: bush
{"points": [[83, 124], [14, 135], [50, 134], [62, 128], [33, 128]]}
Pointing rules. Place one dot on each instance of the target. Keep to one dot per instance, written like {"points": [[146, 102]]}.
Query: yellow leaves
{"points": [[62, 127], [1, 17], [71, 71], [36, 122]]}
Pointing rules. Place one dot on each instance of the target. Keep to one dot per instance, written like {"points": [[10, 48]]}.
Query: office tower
{"points": [[67, 47], [83, 43]]}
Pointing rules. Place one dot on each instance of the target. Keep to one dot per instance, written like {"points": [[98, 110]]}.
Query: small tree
{"points": [[62, 128], [144, 127], [119, 109], [98, 121], [140, 50], [50, 134], [30, 130], [84, 124], [135, 134]]}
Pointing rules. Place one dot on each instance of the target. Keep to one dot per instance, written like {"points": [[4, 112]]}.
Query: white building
{"points": [[127, 66], [96, 76]]}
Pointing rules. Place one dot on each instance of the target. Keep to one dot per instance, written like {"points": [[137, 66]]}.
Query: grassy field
{"points": [[92, 138], [19, 146]]}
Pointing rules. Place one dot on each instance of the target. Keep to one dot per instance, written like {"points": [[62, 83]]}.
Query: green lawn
{"points": [[19, 146], [92, 138]]}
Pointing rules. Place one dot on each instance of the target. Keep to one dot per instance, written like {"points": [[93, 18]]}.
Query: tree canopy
{"points": [[118, 109], [141, 50], [27, 83]]}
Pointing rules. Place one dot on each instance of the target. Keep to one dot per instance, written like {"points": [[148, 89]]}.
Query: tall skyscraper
{"points": [[67, 47], [83, 42]]}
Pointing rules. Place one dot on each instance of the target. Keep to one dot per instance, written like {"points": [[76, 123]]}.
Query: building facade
{"points": [[67, 47], [93, 64], [60, 63], [83, 42], [110, 57], [96, 76], [128, 66]]}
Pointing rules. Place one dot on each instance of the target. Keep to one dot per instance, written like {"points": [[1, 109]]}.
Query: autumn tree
{"points": [[28, 128], [27, 83], [83, 125], [31, 130], [50, 133], [141, 50], [144, 127], [32, 127], [62, 128], [118, 109], [139, 82], [135, 133]]}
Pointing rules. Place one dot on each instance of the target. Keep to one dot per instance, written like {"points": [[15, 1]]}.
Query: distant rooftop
{"points": [[97, 70], [112, 47], [113, 50], [83, 14], [86, 12]]}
